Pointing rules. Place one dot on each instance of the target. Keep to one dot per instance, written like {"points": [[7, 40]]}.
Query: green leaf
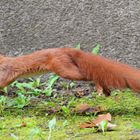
{"points": [[21, 101], [14, 83], [48, 91], [72, 84], [27, 85], [97, 48], [35, 92], [14, 136], [52, 80], [103, 125], [36, 83], [52, 123], [66, 110], [78, 46], [36, 132], [3, 100], [20, 87], [5, 89], [65, 123]]}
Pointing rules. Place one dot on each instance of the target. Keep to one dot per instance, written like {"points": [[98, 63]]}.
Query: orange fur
{"points": [[71, 64]]}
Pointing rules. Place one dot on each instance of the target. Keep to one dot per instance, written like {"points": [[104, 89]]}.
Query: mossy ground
{"points": [[31, 122]]}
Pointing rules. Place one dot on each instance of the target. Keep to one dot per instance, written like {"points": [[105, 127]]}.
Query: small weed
{"points": [[103, 126], [65, 123], [37, 82], [72, 84], [48, 91], [3, 102], [14, 136], [66, 85], [51, 126], [51, 82], [36, 132], [66, 110], [5, 90], [97, 48], [21, 101], [78, 46]]}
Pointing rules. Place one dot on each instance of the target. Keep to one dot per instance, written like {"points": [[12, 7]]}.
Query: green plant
{"points": [[36, 132], [66, 110], [103, 126], [5, 90], [97, 48], [65, 123], [51, 82], [35, 87], [65, 85], [21, 101], [37, 82], [51, 126], [3, 102], [78, 46], [28, 88], [14, 136], [48, 91]]}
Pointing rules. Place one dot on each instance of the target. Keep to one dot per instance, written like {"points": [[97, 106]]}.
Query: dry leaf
{"points": [[23, 124], [82, 108], [87, 125], [85, 108], [97, 122], [103, 117], [111, 126]]}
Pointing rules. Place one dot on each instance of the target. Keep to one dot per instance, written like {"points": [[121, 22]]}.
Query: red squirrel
{"points": [[72, 64]]}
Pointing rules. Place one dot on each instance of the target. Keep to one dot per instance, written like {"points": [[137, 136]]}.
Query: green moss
{"points": [[31, 122], [11, 125]]}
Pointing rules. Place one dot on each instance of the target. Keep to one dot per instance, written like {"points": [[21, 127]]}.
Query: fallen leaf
{"points": [[85, 108], [23, 124], [111, 126], [103, 117], [87, 125], [82, 108], [97, 122]]}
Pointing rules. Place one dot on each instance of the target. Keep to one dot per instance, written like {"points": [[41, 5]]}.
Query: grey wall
{"points": [[28, 25]]}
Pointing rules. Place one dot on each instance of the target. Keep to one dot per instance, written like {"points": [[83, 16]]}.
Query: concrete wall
{"points": [[28, 25]]}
